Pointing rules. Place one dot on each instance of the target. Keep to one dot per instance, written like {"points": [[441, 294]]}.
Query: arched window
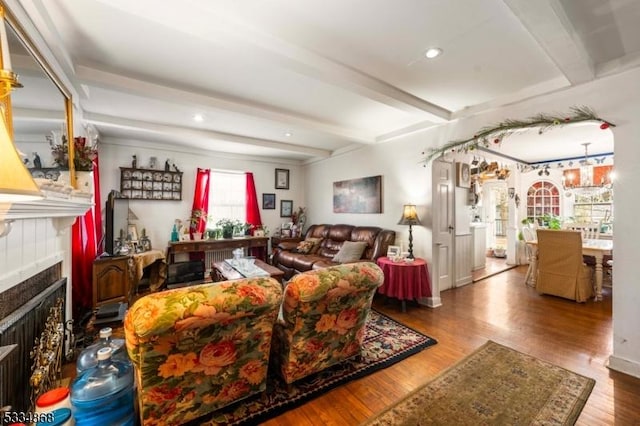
{"points": [[543, 198]]}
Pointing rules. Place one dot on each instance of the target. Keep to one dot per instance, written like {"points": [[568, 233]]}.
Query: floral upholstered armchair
{"points": [[197, 349], [324, 316]]}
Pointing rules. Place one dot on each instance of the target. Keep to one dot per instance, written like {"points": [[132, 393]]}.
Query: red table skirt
{"points": [[405, 281]]}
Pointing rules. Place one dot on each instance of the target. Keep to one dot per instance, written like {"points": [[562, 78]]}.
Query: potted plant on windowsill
{"points": [[227, 226]]}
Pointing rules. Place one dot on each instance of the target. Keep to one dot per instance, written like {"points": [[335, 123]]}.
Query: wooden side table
{"points": [[405, 281], [115, 279], [111, 280]]}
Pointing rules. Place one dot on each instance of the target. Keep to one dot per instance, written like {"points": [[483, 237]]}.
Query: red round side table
{"points": [[405, 281]]}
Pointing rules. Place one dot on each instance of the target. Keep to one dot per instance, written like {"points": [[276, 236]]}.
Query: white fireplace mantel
{"points": [[63, 211]]}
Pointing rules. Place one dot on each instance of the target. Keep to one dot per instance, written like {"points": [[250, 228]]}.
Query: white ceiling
{"points": [[332, 73]]}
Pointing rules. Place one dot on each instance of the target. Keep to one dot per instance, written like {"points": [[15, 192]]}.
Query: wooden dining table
{"points": [[596, 248]]}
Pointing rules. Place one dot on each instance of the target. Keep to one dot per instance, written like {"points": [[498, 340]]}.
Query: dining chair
{"points": [[561, 271], [590, 231], [528, 234]]}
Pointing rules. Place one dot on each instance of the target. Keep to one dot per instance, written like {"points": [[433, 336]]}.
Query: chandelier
{"points": [[583, 183]]}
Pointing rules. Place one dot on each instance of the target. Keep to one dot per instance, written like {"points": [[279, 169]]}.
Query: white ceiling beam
{"points": [[214, 24], [549, 25], [185, 132], [91, 76], [618, 65]]}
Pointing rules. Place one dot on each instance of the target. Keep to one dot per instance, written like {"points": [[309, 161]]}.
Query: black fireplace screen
{"points": [[20, 328]]}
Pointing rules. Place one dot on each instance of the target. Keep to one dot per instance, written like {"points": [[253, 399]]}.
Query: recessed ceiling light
{"points": [[288, 134], [433, 52], [198, 118]]}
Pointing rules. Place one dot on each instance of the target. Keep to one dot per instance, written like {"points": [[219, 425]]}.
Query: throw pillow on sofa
{"points": [[308, 246], [351, 251]]}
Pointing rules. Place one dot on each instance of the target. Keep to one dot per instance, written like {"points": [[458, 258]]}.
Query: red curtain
{"points": [[97, 209], [200, 201], [253, 211], [85, 233]]}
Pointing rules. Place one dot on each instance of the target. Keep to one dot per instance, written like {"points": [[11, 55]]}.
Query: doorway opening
{"points": [[495, 213]]}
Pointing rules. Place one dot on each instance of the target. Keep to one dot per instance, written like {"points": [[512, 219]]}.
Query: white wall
{"points": [[32, 246], [405, 180], [158, 216]]}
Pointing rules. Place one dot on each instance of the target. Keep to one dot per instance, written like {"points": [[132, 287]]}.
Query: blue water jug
{"points": [[88, 358], [104, 394]]}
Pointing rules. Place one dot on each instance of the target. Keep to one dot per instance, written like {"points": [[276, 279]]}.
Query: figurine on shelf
{"points": [[134, 162], [167, 166], [176, 168], [153, 162], [37, 163]]}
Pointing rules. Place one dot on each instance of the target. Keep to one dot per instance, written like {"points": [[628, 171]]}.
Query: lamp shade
{"points": [[16, 183], [409, 215]]}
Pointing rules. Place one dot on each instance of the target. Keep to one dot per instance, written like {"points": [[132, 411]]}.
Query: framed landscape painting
{"points": [[363, 195]]}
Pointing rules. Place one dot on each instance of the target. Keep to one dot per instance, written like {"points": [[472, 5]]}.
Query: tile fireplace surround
{"points": [[24, 309]]}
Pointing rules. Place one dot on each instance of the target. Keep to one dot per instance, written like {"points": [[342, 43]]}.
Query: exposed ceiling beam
{"points": [[215, 24], [548, 23], [184, 132], [91, 76]]}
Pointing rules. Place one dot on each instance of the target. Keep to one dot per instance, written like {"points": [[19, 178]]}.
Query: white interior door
{"points": [[443, 230]]}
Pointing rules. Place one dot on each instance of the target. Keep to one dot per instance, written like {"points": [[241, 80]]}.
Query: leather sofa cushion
{"points": [[298, 261], [305, 262]]}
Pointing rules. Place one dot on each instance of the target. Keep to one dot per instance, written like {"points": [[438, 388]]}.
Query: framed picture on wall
{"points": [[282, 178], [286, 208], [463, 175], [268, 201]]}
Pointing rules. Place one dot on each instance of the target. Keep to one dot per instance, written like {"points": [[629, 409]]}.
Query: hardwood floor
{"points": [[493, 266], [500, 308]]}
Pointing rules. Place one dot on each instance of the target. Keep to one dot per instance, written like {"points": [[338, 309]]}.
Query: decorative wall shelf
{"points": [[150, 184]]}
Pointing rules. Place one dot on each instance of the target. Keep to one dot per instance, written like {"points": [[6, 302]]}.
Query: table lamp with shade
{"points": [[409, 217]]}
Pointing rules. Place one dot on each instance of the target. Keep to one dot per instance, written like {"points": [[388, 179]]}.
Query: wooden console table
{"points": [[202, 246]]}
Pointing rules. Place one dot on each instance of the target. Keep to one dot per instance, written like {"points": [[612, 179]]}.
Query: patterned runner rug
{"points": [[495, 385], [386, 342]]}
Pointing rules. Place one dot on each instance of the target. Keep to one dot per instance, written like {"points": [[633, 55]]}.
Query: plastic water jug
{"points": [[104, 394], [89, 356], [59, 417]]}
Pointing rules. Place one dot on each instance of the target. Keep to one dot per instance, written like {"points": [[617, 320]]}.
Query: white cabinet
{"points": [[479, 242]]}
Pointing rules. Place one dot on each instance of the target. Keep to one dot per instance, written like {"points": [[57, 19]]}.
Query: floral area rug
{"points": [[495, 385], [386, 342]]}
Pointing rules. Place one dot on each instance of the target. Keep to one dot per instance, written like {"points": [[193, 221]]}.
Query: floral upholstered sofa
{"points": [[197, 349], [324, 316]]}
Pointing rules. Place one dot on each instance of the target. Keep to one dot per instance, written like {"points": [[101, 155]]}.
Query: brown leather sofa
{"points": [[331, 238]]}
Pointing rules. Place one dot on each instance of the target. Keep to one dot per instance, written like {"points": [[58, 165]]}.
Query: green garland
{"points": [[496, 134]]}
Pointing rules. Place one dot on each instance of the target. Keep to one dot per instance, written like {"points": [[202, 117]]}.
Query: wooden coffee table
{"points": [[222, 271]]}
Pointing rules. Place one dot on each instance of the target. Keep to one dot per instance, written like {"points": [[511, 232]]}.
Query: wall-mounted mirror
{"points": [[40, 118]]}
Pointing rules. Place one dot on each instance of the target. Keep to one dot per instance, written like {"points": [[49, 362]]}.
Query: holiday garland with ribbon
{"points": [[494, 135]]}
